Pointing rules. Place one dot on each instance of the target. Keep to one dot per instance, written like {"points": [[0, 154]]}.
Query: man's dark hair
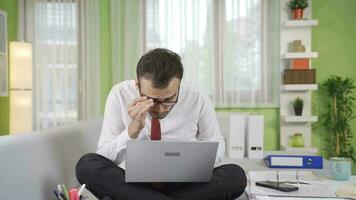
{"points": [[160, 66]]}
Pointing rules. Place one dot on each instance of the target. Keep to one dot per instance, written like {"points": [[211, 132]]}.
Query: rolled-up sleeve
{"points": [[114, 136]]}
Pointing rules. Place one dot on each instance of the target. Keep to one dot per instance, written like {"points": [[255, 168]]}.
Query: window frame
{"points": [[218, 89]]}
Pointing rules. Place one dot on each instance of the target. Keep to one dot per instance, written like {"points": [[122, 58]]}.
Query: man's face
{"points": [[164, 98]]}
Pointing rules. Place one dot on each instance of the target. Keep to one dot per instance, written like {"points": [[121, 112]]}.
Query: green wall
{"points": [[105, 70], [11, 8], [335, 41]]}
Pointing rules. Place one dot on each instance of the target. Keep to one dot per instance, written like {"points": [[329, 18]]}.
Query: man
{"points": [[132, 107]]}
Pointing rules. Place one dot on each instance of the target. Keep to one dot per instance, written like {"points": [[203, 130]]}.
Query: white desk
{"points": [[334, 185], [258, 164]]}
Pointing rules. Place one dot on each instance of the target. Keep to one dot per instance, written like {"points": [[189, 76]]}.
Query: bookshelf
{"points": [[290, 123]]}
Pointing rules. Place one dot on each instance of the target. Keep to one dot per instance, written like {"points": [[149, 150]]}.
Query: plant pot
{"points": [[298, 111], [340, 168], [297, 140], [297, 13]]}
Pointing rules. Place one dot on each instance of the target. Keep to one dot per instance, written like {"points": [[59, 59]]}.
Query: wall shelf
{"points": [[301, 149], [299, 87], [301, 119], [296, 55], [296, 30], [301, 23]]}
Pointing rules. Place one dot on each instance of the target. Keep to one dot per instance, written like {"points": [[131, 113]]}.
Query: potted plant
{"points": [[336, 123], [298, 106], [297, 140], [297, 7]]}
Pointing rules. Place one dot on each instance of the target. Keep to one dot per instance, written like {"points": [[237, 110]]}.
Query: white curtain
{"points": [[222, 45], [56, 63], [89, 59], [66, 69], [185, 27], [127, 37]]}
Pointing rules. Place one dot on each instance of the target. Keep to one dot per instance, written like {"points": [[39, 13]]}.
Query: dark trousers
{"points": [[104, 178]]}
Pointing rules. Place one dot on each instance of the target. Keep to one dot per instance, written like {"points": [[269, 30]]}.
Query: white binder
{"points": [[255, 127], [236, 140]]}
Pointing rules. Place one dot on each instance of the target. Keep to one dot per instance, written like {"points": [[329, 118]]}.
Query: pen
{"points": [[62, 196], [81, 190], [65, 191], [59, 188], [60, 192], [56, 194]]}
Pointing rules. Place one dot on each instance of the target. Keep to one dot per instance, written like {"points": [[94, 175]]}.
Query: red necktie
{"points": [[155, 129]]}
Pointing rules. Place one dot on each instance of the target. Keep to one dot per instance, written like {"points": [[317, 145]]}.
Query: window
{"points": [[221, 44]]}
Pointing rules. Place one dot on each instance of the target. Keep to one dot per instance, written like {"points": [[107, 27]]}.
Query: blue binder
{"points": [[294, 161]]}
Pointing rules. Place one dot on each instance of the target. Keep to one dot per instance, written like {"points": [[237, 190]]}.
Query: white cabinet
{"points": [[3, 55], [290, 124]]}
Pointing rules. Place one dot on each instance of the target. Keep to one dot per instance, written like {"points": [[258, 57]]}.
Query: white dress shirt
{"points": [[193, 118]]}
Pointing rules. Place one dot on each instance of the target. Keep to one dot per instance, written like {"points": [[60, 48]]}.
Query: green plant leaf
{"points": [[335, 120]]}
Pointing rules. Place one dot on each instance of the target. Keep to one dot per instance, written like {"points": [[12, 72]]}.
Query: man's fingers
{"points": [[141, 104], [139, 108], [138, 99], [148, 102], [142, 114]]}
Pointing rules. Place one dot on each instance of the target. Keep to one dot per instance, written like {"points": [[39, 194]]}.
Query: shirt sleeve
{"points": [[209, 128], [114, 136]]}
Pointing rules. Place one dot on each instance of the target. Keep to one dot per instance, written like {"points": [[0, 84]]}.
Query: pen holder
{"points": [[73, 194]]}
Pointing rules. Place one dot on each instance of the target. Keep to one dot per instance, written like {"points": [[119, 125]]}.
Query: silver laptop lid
{"points": [[163, 161]]}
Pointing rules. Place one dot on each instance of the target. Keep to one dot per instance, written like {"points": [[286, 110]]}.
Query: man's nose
{"points": [[159, 108]]}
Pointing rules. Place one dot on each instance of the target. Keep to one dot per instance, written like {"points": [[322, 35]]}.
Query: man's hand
{"points": [[137, 110]]}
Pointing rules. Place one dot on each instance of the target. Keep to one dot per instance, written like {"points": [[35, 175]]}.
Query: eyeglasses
{"points": [[164, 103], [157, 101]]}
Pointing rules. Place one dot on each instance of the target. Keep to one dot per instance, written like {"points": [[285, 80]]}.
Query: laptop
{"points": [[170, 161]]}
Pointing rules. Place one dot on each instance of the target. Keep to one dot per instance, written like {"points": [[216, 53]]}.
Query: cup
{"points": [[340, 168]]}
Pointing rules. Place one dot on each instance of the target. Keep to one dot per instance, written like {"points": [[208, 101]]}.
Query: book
{"points": [[300, 76]]}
